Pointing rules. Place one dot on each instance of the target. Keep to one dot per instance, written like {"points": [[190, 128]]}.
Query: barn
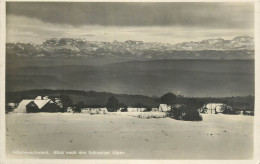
{"points": [[37, 105]]}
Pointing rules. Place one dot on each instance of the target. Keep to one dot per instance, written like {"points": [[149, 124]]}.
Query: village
{"points": [[54, 104]]}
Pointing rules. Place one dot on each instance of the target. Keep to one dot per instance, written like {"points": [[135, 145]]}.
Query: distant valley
{"points": [[199, 78], [212, 67]]}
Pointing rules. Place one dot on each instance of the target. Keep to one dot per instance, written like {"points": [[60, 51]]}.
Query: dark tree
{"points": [[66, 101], [182, 108], [148, 109], [79, 106], [94, 106], [8, 109], [139, 105], [190, 110], [123, 106], [112, 104], [169, 99], [193, 103], [192, 115]]}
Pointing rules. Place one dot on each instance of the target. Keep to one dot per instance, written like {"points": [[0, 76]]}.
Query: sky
{"points": [[168, 22]]}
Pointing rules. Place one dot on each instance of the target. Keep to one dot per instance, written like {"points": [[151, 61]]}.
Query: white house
{"points": [[103, 111], [245, 112], [164, 108], [37, 105], [94, 110], [136, 109], [213, 108], [70, 110]]}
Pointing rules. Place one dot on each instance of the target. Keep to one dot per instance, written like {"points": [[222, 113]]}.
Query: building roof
{"points": [[213, 105], [22, 105], [136, 109], [42, 98], [41, 103]]}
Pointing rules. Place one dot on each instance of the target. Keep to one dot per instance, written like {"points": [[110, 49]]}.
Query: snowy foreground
{"points": [[121, 136]]}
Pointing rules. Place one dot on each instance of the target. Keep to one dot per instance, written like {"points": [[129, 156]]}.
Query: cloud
{"points": [[26, 29], [89, 35], [205, 15]]}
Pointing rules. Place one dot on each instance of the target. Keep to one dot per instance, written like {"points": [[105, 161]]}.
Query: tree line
{"points": [[82, 99], [181, 108]]}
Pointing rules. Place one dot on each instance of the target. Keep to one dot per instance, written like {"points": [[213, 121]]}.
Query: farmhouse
{"points": [[40, 104], [136, 109], [22, 107], [214, 108], [56, 100], [248, 112], [244, 112], [94, 110], [164, 108]]}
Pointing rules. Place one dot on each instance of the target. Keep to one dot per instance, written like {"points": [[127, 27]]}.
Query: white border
{"points": [[2, 79], [3, 159], [257, 82]]}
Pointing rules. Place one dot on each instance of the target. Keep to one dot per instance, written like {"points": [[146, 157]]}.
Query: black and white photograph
{"points": [[130, 80]]}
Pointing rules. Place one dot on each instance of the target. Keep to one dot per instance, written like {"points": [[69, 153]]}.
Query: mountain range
{"points": [[240, 47]]}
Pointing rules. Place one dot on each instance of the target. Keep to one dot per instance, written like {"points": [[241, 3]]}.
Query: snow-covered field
{"points": [[121, 136]]}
